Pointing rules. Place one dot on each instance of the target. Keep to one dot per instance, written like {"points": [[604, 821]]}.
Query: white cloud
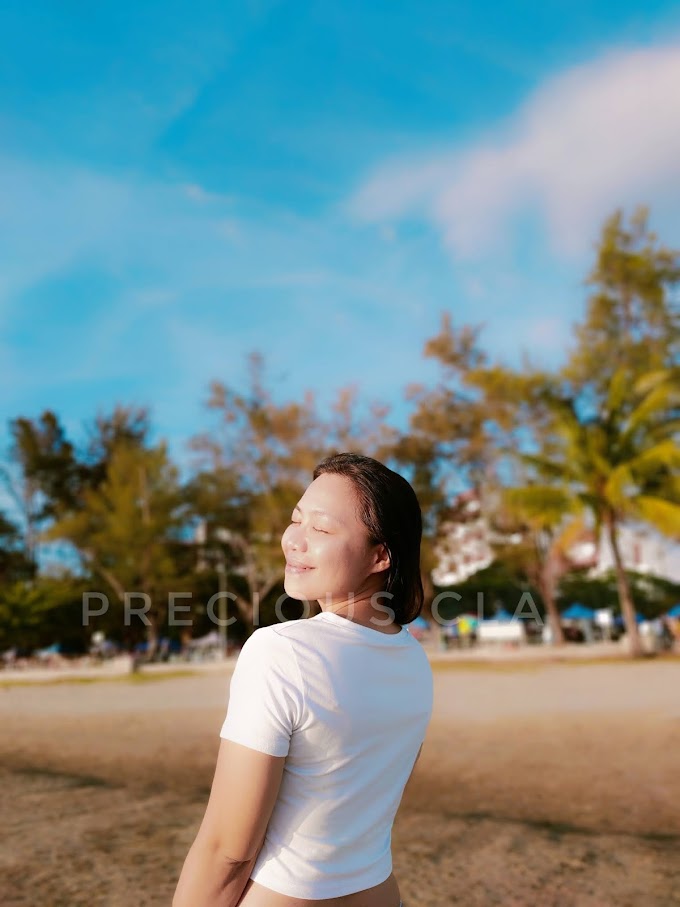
{"points": [[53, 216], [177, 271], [49, 216], [201, 196], [596, 137]]}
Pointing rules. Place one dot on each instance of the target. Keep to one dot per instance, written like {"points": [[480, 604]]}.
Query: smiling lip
{"points": [[292, 567]]}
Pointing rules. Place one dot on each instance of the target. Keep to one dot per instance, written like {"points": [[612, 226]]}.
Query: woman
{"points": [[326, 716]]}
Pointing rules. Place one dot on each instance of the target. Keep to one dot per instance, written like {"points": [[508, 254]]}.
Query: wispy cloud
{"points": [[114, 284], [199, 194], [590, 139]]}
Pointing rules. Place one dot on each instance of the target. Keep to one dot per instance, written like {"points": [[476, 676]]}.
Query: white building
{"points": [[467, 539], [643, 551], [466, 543]]}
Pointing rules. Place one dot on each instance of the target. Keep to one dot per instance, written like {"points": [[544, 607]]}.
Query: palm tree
{"points": [[548, 527], [616, 462]]}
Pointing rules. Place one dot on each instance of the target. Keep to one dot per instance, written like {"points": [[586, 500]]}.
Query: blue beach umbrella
{"points": [[675, 611], [420, 623], [619, 621], [54, 649], [578, 612]]}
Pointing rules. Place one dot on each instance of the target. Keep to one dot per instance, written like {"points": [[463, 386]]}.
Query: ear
{"points": [[382, 559]]}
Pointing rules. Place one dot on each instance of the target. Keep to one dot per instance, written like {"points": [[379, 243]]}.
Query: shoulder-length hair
{"points": [[389, 508]]}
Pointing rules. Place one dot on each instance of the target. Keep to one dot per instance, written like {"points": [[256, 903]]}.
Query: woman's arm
{"points": [[243, 794], [210, 880]]}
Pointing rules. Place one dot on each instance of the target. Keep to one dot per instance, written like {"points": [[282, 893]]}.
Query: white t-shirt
{"points": [[348, 706]]}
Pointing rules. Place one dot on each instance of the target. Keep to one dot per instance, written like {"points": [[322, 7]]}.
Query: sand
{"points": [[538, 785]]}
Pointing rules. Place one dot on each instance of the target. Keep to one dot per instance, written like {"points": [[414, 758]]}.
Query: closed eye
{"points": [[316, 528]]}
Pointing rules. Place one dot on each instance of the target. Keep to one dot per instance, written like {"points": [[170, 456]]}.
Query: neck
{"points": [[362, 610]]}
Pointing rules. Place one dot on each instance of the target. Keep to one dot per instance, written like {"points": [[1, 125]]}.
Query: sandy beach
{"points": [[539, 784]]}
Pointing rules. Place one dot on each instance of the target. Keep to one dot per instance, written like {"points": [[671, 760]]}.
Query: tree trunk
{"points": [[428, 595], [547, 592], [109, 576], [544, 546], [151, 638], [625, 597], [246, 610]]}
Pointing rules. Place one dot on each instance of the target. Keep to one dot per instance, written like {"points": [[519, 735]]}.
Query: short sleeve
{"points": [[265, 696]]}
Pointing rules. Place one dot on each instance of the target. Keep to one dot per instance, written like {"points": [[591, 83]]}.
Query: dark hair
{"points": [[389, 509]]}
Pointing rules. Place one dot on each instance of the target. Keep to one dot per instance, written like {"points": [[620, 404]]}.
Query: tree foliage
{"points": [[632, 322], [547, 451], [124, 527]]}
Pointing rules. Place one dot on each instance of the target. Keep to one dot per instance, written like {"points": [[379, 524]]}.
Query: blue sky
{"points": [[181, 184]]}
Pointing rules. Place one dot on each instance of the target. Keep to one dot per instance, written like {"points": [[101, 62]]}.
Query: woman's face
{"points": [[327, 549]]}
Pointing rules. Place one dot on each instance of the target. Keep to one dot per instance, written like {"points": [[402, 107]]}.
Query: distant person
{"points": [[327, 715], [666, 634]]}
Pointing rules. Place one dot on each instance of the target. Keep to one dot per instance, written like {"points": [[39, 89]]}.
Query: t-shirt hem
{"points": [[319, 889], [262, 746]]}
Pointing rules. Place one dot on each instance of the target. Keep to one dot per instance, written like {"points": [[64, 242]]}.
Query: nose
{"points": [[295, 538]]}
